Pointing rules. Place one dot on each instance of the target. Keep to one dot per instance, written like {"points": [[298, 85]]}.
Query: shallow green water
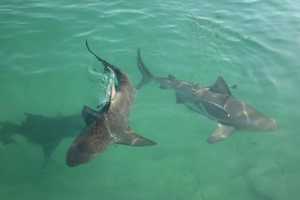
{"points": [[252, 43]]}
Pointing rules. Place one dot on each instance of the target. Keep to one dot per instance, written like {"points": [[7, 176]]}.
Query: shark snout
{"points": [[76, 156], [267, 124]]}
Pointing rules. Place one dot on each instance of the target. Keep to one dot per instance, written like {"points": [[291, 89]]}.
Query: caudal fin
{"points": [[147, 76], [106, 64]]}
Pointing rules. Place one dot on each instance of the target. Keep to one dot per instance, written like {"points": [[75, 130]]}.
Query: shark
{"points": [[109, 124], [215, 102], [41, 130]]}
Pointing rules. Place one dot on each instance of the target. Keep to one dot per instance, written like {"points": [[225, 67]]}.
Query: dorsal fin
{"points": [[220, 86]]}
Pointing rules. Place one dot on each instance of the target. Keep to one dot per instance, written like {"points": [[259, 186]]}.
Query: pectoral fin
{"points": [[132, 139], [221, 133]]}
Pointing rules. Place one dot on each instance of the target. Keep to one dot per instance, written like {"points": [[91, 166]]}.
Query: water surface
{"points": [[251, 43]]}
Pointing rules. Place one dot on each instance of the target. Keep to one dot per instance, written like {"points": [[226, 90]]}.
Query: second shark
{"points": [[215, 102]]}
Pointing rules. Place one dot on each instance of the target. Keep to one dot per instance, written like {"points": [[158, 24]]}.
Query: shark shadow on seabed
{"points": [[46, 132]]}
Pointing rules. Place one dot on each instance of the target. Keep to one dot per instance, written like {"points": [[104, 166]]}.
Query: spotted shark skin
{"points": [[109, 125], [216, 102]]}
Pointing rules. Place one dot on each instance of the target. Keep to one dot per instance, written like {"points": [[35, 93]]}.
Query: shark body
{"points": [[109, 125]]}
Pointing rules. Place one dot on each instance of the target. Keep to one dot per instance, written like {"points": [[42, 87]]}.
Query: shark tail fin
{"points": [[147, 76], [121, 77], [132, 139], [106, 64]]}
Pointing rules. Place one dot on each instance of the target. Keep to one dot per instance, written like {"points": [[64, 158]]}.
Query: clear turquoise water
{"points": [[252, 43]]}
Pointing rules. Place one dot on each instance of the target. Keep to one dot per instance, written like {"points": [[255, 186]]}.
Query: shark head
{"points": [[77, 155], [244, 116], [92, 141], [265, 124]]}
